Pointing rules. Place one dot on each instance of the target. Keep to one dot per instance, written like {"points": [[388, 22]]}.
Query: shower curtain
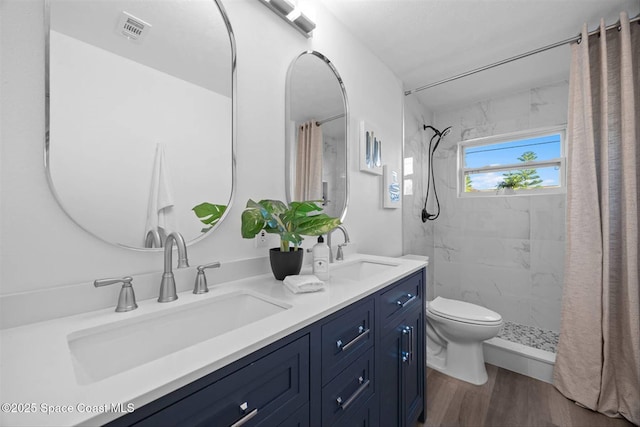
{"points": [[598, 361], [309, 162]]}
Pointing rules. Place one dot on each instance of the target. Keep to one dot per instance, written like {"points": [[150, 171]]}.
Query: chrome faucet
{"points": [[339, 255], [168, 283], [126, 298], [153, 239]]}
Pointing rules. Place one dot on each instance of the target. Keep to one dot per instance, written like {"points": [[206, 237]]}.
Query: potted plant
{"points": [[290, 222]]}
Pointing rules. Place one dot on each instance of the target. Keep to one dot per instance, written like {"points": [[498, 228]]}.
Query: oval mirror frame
{"points": [[232, 131], [291, 125]]}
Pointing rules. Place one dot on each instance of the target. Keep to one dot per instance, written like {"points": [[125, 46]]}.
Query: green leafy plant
{"points": [[290, 221], [209, 214]]}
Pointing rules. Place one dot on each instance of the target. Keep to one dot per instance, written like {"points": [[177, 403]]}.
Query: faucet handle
{"points": [[200, 287], [127, 298], [340, 254]]}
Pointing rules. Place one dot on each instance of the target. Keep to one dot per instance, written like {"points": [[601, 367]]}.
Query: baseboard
{"points": [[520, 358]]}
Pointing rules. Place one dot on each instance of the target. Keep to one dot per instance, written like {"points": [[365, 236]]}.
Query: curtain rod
{"points": [[515, 58], [328, 119]]}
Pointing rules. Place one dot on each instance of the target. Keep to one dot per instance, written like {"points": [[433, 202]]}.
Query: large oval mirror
{"points": [[316, 134], [140, 116]]}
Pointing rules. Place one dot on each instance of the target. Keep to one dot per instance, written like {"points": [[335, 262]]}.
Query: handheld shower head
{"points": [[427, 216]]}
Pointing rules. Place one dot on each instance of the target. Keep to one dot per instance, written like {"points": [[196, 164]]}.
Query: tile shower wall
{"points": [[505, 253]]}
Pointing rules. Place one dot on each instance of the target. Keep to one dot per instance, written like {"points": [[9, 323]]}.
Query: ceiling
{"points": [[186, 39], [425, 41]]}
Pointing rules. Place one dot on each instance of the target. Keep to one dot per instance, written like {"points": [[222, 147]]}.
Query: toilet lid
{"points": [[463, 311]]}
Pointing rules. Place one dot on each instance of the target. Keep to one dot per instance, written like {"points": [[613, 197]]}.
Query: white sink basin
{"points": [[361, 270], [106, 350]]}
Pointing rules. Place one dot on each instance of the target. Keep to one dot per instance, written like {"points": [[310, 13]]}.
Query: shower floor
{"points": [[530, 336]]}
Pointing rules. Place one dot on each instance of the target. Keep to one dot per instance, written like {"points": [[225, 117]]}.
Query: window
{"points": [[530, 162]]}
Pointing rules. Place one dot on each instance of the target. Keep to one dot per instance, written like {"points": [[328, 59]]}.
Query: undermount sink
{"points": [[106, 350], [361, 270]]}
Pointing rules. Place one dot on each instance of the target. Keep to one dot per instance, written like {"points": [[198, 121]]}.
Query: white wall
{"points": [[505, 253], [42, 248], [97, 114]]}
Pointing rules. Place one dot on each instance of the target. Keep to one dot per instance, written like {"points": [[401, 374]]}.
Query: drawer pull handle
{"points": [[362, 333], [407, 356], [363, 386], [410, 299], [247, 417]]}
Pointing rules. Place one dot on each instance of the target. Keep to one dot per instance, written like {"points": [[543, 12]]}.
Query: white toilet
{"points": [[455, 332]]}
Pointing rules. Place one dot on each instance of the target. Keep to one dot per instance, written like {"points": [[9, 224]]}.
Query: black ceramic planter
{"points": [[285, 264]]}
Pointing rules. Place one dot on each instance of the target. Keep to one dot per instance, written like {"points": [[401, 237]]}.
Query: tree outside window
{"points": [[523, 178]]}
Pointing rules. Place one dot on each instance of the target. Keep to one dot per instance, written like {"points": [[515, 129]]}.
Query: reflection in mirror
{"points": [[139, 115], [316, 134]]}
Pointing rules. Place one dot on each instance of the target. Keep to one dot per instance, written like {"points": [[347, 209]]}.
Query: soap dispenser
{"points": [[321, 259]]}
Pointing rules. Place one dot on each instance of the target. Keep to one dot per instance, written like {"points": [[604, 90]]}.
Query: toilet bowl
{"points": [[455, 332]]}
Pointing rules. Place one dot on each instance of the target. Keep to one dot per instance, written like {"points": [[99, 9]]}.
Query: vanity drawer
{"points": [[265, 392], [404, 296], [343, 396], [345, 338], [366, 416]]}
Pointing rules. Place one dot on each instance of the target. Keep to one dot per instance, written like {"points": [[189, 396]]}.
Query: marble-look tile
{"points": [[548, 217], [496, 116], [547, 269], [448, 249], [447, 280], [545, 314], [501, 223], [549, 105], [514, 309], [496, 281], [547, 286], [505, 253], [547, 256], [496, 252]]}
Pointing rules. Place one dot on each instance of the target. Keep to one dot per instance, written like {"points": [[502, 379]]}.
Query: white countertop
{"points": [[37, 374]]}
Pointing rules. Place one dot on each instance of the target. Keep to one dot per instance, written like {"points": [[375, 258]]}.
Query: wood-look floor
{"points": [[507, 399]]}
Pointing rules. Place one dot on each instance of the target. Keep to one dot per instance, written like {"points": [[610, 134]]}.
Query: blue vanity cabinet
{"points": [[361, 366], [401, 352], [265, 390]]}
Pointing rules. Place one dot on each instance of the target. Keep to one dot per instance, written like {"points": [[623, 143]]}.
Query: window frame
{"points": [[462, 172]]}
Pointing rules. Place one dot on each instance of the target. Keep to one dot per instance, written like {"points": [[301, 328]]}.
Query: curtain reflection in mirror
{"points": [[309, 162]]}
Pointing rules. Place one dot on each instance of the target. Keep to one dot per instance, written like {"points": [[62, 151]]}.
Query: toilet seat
{"points": [[461, 311]]}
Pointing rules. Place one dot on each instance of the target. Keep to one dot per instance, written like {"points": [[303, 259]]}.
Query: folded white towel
{"points": [[303, 283]]}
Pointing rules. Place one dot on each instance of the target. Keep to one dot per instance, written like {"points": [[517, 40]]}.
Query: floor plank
{"points": [[507, 399]]}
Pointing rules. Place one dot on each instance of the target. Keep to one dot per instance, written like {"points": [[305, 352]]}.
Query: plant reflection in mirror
{"points": [[209, 214]]}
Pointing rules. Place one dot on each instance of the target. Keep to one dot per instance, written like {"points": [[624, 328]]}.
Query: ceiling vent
{"points": [[132, 28]]}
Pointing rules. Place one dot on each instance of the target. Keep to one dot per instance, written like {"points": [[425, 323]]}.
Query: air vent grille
{"points": [[132, 28]]}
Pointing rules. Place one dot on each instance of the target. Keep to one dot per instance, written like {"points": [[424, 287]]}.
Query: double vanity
{"points": [[249, 352]]}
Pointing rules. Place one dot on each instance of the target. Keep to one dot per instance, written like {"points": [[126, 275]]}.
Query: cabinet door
{"points": [[401, 373], [413, 376], [271, 388], [389, 376]]}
